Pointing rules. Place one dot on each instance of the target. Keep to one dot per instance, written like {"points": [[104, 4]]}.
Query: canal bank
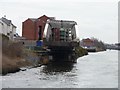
{"points": [[16, 57], [32, 59], [96, 70]]}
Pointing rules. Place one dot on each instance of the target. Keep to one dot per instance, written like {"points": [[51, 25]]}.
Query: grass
{"points": [[11, 56], [79, 51]]}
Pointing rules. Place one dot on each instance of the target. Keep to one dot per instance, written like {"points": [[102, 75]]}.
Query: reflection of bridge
{"points": [[60, 38], [57, 68]]}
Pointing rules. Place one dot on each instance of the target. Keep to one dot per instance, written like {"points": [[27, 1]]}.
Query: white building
{"points": [[7, 28]]}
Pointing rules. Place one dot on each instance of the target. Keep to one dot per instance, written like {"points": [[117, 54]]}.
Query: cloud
{"points": [[98, 19]]}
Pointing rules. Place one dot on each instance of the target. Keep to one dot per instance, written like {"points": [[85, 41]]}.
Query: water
{"points": [[96, 70]]}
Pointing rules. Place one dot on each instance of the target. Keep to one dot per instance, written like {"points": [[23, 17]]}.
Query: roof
{"points": [[43, 16], [61, 23], [33, 19], [87, 40], [53, 18], [8, 22]]}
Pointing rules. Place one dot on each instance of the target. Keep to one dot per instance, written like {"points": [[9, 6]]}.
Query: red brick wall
{"points": [[41, 22], [88, 42], [28, 30]]}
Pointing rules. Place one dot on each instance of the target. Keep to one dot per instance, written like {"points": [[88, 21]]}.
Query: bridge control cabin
{"points": [[60, 34]]}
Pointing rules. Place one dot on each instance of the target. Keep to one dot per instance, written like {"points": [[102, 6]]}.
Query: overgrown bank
{"points": [[15, 56], [12, 56], [79, 52]]}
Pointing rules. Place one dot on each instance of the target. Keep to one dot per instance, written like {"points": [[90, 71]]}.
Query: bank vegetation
{"points": [[14, 56]]}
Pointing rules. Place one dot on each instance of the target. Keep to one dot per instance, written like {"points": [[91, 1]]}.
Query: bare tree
{"points": [[98, 43]]}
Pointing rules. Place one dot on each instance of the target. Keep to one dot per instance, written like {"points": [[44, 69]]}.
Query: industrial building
{"points": [[33, 28]]}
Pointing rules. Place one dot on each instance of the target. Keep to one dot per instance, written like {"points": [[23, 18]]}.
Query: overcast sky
{"points": [[95, 18]]}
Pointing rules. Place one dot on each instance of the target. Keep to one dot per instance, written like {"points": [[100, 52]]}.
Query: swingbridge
{"points": [[60, 39]]}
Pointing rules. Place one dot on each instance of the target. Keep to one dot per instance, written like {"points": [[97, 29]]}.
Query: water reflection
{"points": [[58, 67]]}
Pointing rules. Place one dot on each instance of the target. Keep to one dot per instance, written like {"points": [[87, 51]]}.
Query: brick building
{"points": [[87, 42], [33, 28]]}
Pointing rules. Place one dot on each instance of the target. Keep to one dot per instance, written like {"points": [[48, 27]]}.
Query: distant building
{"points": [[87, 43], [33, 28], [7, 28]]}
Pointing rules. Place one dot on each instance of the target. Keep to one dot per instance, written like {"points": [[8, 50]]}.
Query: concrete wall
{"points": [[8, 30], [1, 26], [5, 28]]}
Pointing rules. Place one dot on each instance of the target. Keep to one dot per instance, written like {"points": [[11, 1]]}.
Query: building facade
{"points": [[33, 28], [7, 28], [87, 43]]}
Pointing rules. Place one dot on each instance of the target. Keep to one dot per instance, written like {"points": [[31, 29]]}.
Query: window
{"points": [[8, 33]]}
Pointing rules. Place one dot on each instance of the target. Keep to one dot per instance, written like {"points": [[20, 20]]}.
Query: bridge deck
{"points": [[60, 44]]}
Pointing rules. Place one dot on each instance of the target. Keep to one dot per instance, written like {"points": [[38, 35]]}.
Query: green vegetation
{"points": [[79, 51]]}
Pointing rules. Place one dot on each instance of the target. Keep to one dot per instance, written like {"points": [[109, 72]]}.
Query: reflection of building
{"points": [[7, 28], [33, 28]]}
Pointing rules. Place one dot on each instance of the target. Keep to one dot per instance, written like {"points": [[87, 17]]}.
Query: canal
{"points": [[96, 70]]}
